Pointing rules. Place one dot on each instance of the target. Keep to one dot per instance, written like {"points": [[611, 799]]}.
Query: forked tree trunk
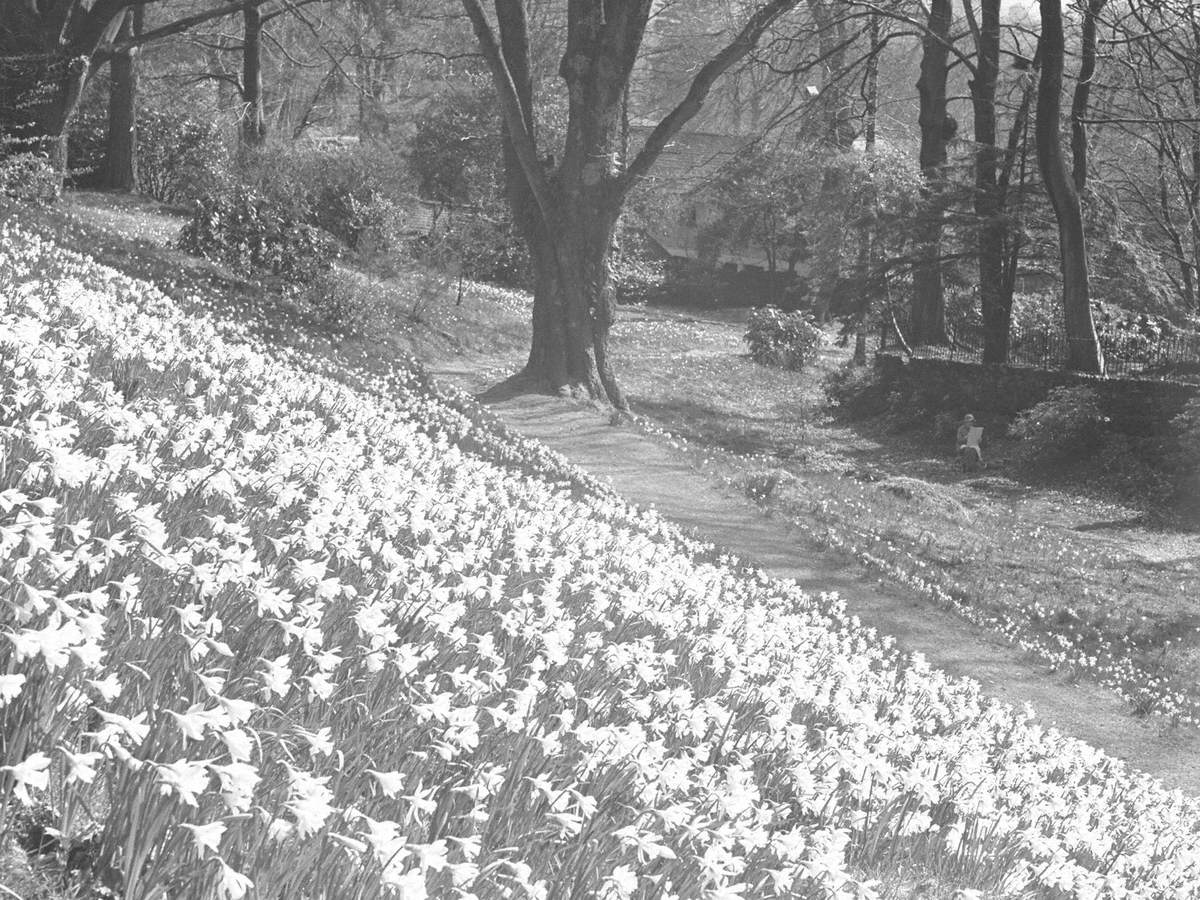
{"points": [[568, 212], [1083, 346], [120, 161], [991, 233], [929, 300]]}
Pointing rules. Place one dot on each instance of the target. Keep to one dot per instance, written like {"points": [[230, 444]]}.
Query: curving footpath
{"points": [[650, 473]]}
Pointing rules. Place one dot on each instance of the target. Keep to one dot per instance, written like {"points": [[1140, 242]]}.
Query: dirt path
{"points": [[652, 474]]}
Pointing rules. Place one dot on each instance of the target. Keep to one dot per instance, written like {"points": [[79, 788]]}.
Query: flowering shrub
{"points": [[787, 340], [248, 231], [29, 177], [285, 638]]}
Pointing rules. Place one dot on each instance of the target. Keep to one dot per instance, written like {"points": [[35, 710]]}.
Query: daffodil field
{"points": [[265, 634]]}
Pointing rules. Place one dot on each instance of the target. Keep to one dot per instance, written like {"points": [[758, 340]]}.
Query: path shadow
{"points": [[510, 388]]}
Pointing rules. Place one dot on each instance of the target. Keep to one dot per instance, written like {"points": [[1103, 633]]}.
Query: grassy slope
{"points": [[1074, 575], [932, 754]]}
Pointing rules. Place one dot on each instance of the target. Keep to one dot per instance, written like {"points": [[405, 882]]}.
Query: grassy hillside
{"points": [[267, 633]]}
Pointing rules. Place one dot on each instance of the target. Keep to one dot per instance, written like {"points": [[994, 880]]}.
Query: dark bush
{"points": [[1185, 461], [358, 192], [179, 158], [1067, 424], [250, 232], [786, 340], [639, 271], [854, 391]]}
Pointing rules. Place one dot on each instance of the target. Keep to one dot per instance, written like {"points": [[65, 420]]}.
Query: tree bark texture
{"points": [[120, 162], [1082, 95], [1015, 162], [866, 245], [253, 131], [1083, 346], [991, 232], [928, 323], [837, 133]]}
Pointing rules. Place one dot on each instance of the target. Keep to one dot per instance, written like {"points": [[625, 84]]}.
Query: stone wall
{"points": [[1134, 406]]}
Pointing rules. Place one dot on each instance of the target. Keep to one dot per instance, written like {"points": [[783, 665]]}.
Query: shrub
{"points": [[351, 302], [480, 247], [179, 158], [854, 391], [786, 340], [761, 486], [638, 271], [29, 177], [249, 232], [86, 143], [352, 191], [1068, 423], [1133, 466]]}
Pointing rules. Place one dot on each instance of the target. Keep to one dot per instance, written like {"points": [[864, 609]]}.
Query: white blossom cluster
{"points": [[275, 640]]}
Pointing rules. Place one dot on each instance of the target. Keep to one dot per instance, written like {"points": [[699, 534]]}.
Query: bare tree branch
{"points": [[700, 87]]}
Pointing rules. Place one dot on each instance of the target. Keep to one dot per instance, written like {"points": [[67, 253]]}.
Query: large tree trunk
{"points": [[559, 358], [991, 233], [574, 207], [837, 135], [253, 129], [120, 162], [1083, 346], [929, 301]]}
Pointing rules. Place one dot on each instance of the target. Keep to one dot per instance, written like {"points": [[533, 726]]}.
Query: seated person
{"points": [[969, 452]]}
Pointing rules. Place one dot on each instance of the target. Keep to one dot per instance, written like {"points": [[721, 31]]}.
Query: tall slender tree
{"points": [[937, 128], [1083, 345], [252, 131], [120, 161], [991, 233]]}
